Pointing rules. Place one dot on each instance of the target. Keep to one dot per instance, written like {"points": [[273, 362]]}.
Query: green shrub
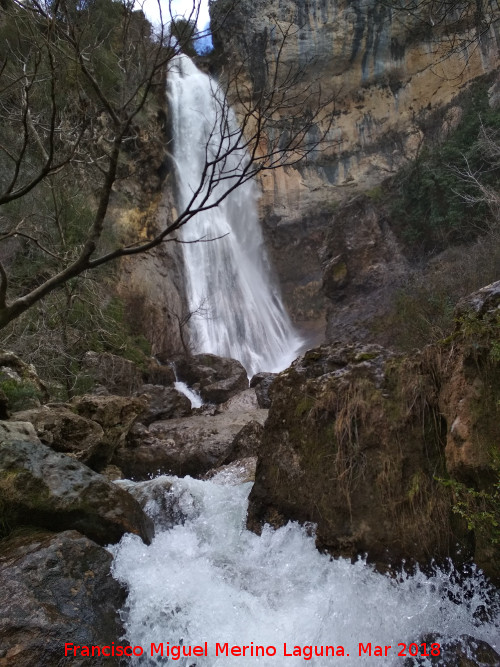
{"points": [[428, 210], [21, 395]]}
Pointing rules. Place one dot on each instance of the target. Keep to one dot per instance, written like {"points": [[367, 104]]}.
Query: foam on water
{"points": [[194, 397], [210, 579]]}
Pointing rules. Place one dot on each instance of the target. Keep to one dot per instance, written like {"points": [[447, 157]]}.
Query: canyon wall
{"points": [[383, 73]]}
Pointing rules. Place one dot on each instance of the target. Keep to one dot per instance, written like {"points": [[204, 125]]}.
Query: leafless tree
{"points": [[72, 92]]}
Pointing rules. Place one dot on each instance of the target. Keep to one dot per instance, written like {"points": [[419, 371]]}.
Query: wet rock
{"points": [[246, 442], [163, 403], [244, 401], [117, 375], [186, 446], [48, 489], [237, 472], [261, 382], [158, 500], [56, 588], [115, 414], [62, 430], [216, 378], [465, 651]]}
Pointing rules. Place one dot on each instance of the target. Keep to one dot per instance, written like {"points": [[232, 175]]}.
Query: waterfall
{"points": [[237, 308], [205, 578]]}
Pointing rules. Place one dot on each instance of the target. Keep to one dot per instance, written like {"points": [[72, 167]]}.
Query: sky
{"points": [[177, 8]]}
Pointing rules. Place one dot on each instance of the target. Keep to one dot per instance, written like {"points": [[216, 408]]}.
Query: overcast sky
{"points": [[177, 7]]}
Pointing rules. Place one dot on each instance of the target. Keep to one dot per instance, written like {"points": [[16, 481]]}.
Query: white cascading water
{"points": [[208, 579], [238, 308]]}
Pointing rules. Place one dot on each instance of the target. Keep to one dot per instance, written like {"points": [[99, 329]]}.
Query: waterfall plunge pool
{"points": [[206, 579]]}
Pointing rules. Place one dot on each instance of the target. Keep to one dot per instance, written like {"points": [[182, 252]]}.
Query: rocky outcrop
{"points": [[362, 266], [347, 448], [20, 386], [383, 73], [56, 589], [40, 487], [216, 379], [362, 442]]}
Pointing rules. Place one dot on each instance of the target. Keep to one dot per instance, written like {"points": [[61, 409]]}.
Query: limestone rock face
{"points": [[382, 74], [56, 589], [45, 488], [381, 66], [362, 266]]}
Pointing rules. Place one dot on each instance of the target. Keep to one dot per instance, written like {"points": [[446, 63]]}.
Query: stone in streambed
{"points": [[56, 588], [48, 489]]}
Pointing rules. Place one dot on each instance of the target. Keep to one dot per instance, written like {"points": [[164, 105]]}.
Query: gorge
{"points": [[349, 497]]}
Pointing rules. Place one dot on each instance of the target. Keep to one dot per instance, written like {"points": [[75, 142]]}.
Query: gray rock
{"points": [[115, 414], [218, 378], [45, 488], [187, 446], [56, 589], [63, 431], [464, 650], [261, 382], [163, 403], [232, 474], [157, 499]]}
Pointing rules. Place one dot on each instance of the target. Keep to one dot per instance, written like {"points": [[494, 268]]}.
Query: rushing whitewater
{"points": [[238, 308], [208, 579]]}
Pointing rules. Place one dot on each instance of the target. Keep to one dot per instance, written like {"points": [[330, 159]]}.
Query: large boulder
{"points": [[353, 443], [190, 445], [115, 414], [54, 589], [62, 430], [163, 403], [216, 378], [44, 488]]}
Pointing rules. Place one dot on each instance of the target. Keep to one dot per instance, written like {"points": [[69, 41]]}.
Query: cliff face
{"points": [[384, 72], [151, 284]]}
